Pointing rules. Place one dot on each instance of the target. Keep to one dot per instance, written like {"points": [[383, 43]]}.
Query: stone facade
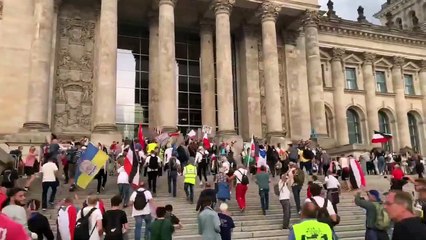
{"points": [[297, 73]]}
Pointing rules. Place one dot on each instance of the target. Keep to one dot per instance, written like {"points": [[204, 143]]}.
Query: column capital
{"points": [[310, 18], [222, 6], [398, 61], [369, 57], [338, 54], [268, 11], [423, 65], [169, 2]]}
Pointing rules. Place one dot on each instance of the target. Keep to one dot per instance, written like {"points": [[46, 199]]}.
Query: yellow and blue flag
{"points": [[89, 164]]}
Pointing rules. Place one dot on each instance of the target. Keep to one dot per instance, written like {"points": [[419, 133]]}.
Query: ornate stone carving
{"points": [[222, 6], [1, 9], [310, 18], [170, 2], [338, 54], [369, 57], [74, 73], [398, 61], [269, 11]]}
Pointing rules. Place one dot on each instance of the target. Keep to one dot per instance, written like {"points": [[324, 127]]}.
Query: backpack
{"points": [[82, 231], [153, 162], [300, 177], [382, 218], [277, 189], [72, 156], [140, 200], [244, 179], [7, 176], [294, 153], [322, 212]]}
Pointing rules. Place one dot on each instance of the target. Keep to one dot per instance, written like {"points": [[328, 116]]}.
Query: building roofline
{"points": [[385, 8]]}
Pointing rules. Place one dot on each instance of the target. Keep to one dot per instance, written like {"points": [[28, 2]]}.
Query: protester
{"points": [[398, 205], [262, 180], [161, 228], [223, 187], [72, 164], [420, 203], [242, 185], [344, 163], [101, 177], [142, 201], [208, 222], [12, 230], [226, 222], [153, 164], [332, 185], [314, 180], [371, 206], [13, 207], [397, 179], [170, 216], [123, 182], [67, 217], [29, 166], [320, 202], [209, 193], [284, 198], [50, 180], [201, 163], [10, 175], [95, 219], [37, 223], [173, 169], [296, 178], [115, 221], [3, 196], [190, 175]]}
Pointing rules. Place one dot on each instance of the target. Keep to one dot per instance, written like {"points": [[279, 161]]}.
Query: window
{"points": [[381, 82], [414, 131], [323, 75], [384, 126], [409, 85], [354, 127], [351, 79]]}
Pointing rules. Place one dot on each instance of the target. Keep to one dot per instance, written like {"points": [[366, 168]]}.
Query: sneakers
{"points": [[201, 183]]}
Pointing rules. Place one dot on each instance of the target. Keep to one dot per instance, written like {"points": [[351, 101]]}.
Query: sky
{"points": [[347, 9]]}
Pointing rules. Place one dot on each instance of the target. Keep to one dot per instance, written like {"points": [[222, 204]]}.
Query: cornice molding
{"points": [[371, 32]]}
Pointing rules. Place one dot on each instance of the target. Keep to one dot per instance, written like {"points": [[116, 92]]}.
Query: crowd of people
{"points": [[259, 164]]}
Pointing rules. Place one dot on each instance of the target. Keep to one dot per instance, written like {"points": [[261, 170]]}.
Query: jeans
{"points": [[285, 203], [373, 234], [296, 193], [381, 164], [124, 190], [152, 181], [307, 165], [45, 187], [171, 180], [240, 195], [264, 198], [138, 226], [189, 191], [102, 178], [202, 171]]}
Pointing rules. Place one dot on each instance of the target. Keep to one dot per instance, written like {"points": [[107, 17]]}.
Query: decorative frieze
{"points": [[222, 6], [310, 18], [269, 11]]}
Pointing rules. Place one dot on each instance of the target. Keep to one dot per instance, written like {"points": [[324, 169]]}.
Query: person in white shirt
{"points": [[332, 185], [285, 199], [240, 189], [225, 164], [144, 214], [201, 164], [320, 201], [95, 219], [123, 183], [168, 154], [50, 180], [344, 163], [153, 164]]}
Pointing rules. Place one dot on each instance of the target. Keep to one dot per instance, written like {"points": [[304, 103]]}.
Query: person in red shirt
{"points": [[3, 196], [398, 180], [11, 230], [397, 173]]}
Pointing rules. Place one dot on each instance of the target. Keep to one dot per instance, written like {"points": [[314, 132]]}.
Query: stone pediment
{"points": [[382, 62], [352, 58], [324, 55], [410, 66]]}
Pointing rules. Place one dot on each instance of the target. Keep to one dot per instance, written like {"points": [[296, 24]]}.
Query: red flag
{"points": [[252, 146], [131, 166], [206, 142], [140, 136]]}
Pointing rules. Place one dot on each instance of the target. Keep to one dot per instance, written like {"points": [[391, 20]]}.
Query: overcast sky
{"points": [[347, 9]]}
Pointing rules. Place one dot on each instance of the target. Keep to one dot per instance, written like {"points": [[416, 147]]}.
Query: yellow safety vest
{"points": [[190, 174], [312, 229]]}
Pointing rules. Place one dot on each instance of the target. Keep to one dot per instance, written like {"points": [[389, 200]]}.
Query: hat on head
{"points": [[376, 194]]}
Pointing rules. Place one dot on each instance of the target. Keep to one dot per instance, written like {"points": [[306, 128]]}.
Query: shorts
{"points": [[345, 174], [71, 170], [29, 170]]}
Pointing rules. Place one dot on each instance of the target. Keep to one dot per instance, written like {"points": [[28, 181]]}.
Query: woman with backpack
{"points": [[241, 175]]}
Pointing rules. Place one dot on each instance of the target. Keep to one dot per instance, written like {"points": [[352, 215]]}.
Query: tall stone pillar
{"points": [[208, 101], [422, 77], [339, 96], [313, 64], [153, 71], [167, 109], [269, 12], [105, 100], [370, 96], [225, 93], [38, 93], [400, 103]]}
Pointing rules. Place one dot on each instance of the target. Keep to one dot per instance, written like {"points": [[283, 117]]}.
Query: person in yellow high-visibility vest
{"points": [[310, 227], [190, 175]]}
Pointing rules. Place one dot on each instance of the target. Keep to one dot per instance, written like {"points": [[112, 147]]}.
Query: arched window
{"points": [[414, 131], [384, 126], [399, 23], [354, 127]]}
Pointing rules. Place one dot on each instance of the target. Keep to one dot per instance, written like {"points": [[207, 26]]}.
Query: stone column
{"points": [[38, 92], [400, 103], [313, 64], [269, 12], [225, 92], [339, 96], [370, 96], [422, 77], [167, 109], [105, 100], [153, 71], [208, 101]]}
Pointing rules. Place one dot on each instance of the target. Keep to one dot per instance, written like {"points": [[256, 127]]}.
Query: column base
{"points": [[39, 126], [169, 129], [105, 128], [226, 133]]}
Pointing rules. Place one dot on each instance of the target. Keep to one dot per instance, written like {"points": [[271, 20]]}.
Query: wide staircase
{"points": [[249, 225]]}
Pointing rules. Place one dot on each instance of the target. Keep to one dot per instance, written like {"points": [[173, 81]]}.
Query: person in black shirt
{"points": [[208, 193], [173, 219], [10, 175], [226, 222], [399, 206], [37, 223], [115, 221]]}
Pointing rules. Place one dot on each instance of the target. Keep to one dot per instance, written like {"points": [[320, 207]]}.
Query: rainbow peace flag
{"points": [[89, 164]]}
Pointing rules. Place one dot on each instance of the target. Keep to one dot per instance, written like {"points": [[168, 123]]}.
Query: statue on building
{"points": [[389, 20], [331, 13], [361, 16]]}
